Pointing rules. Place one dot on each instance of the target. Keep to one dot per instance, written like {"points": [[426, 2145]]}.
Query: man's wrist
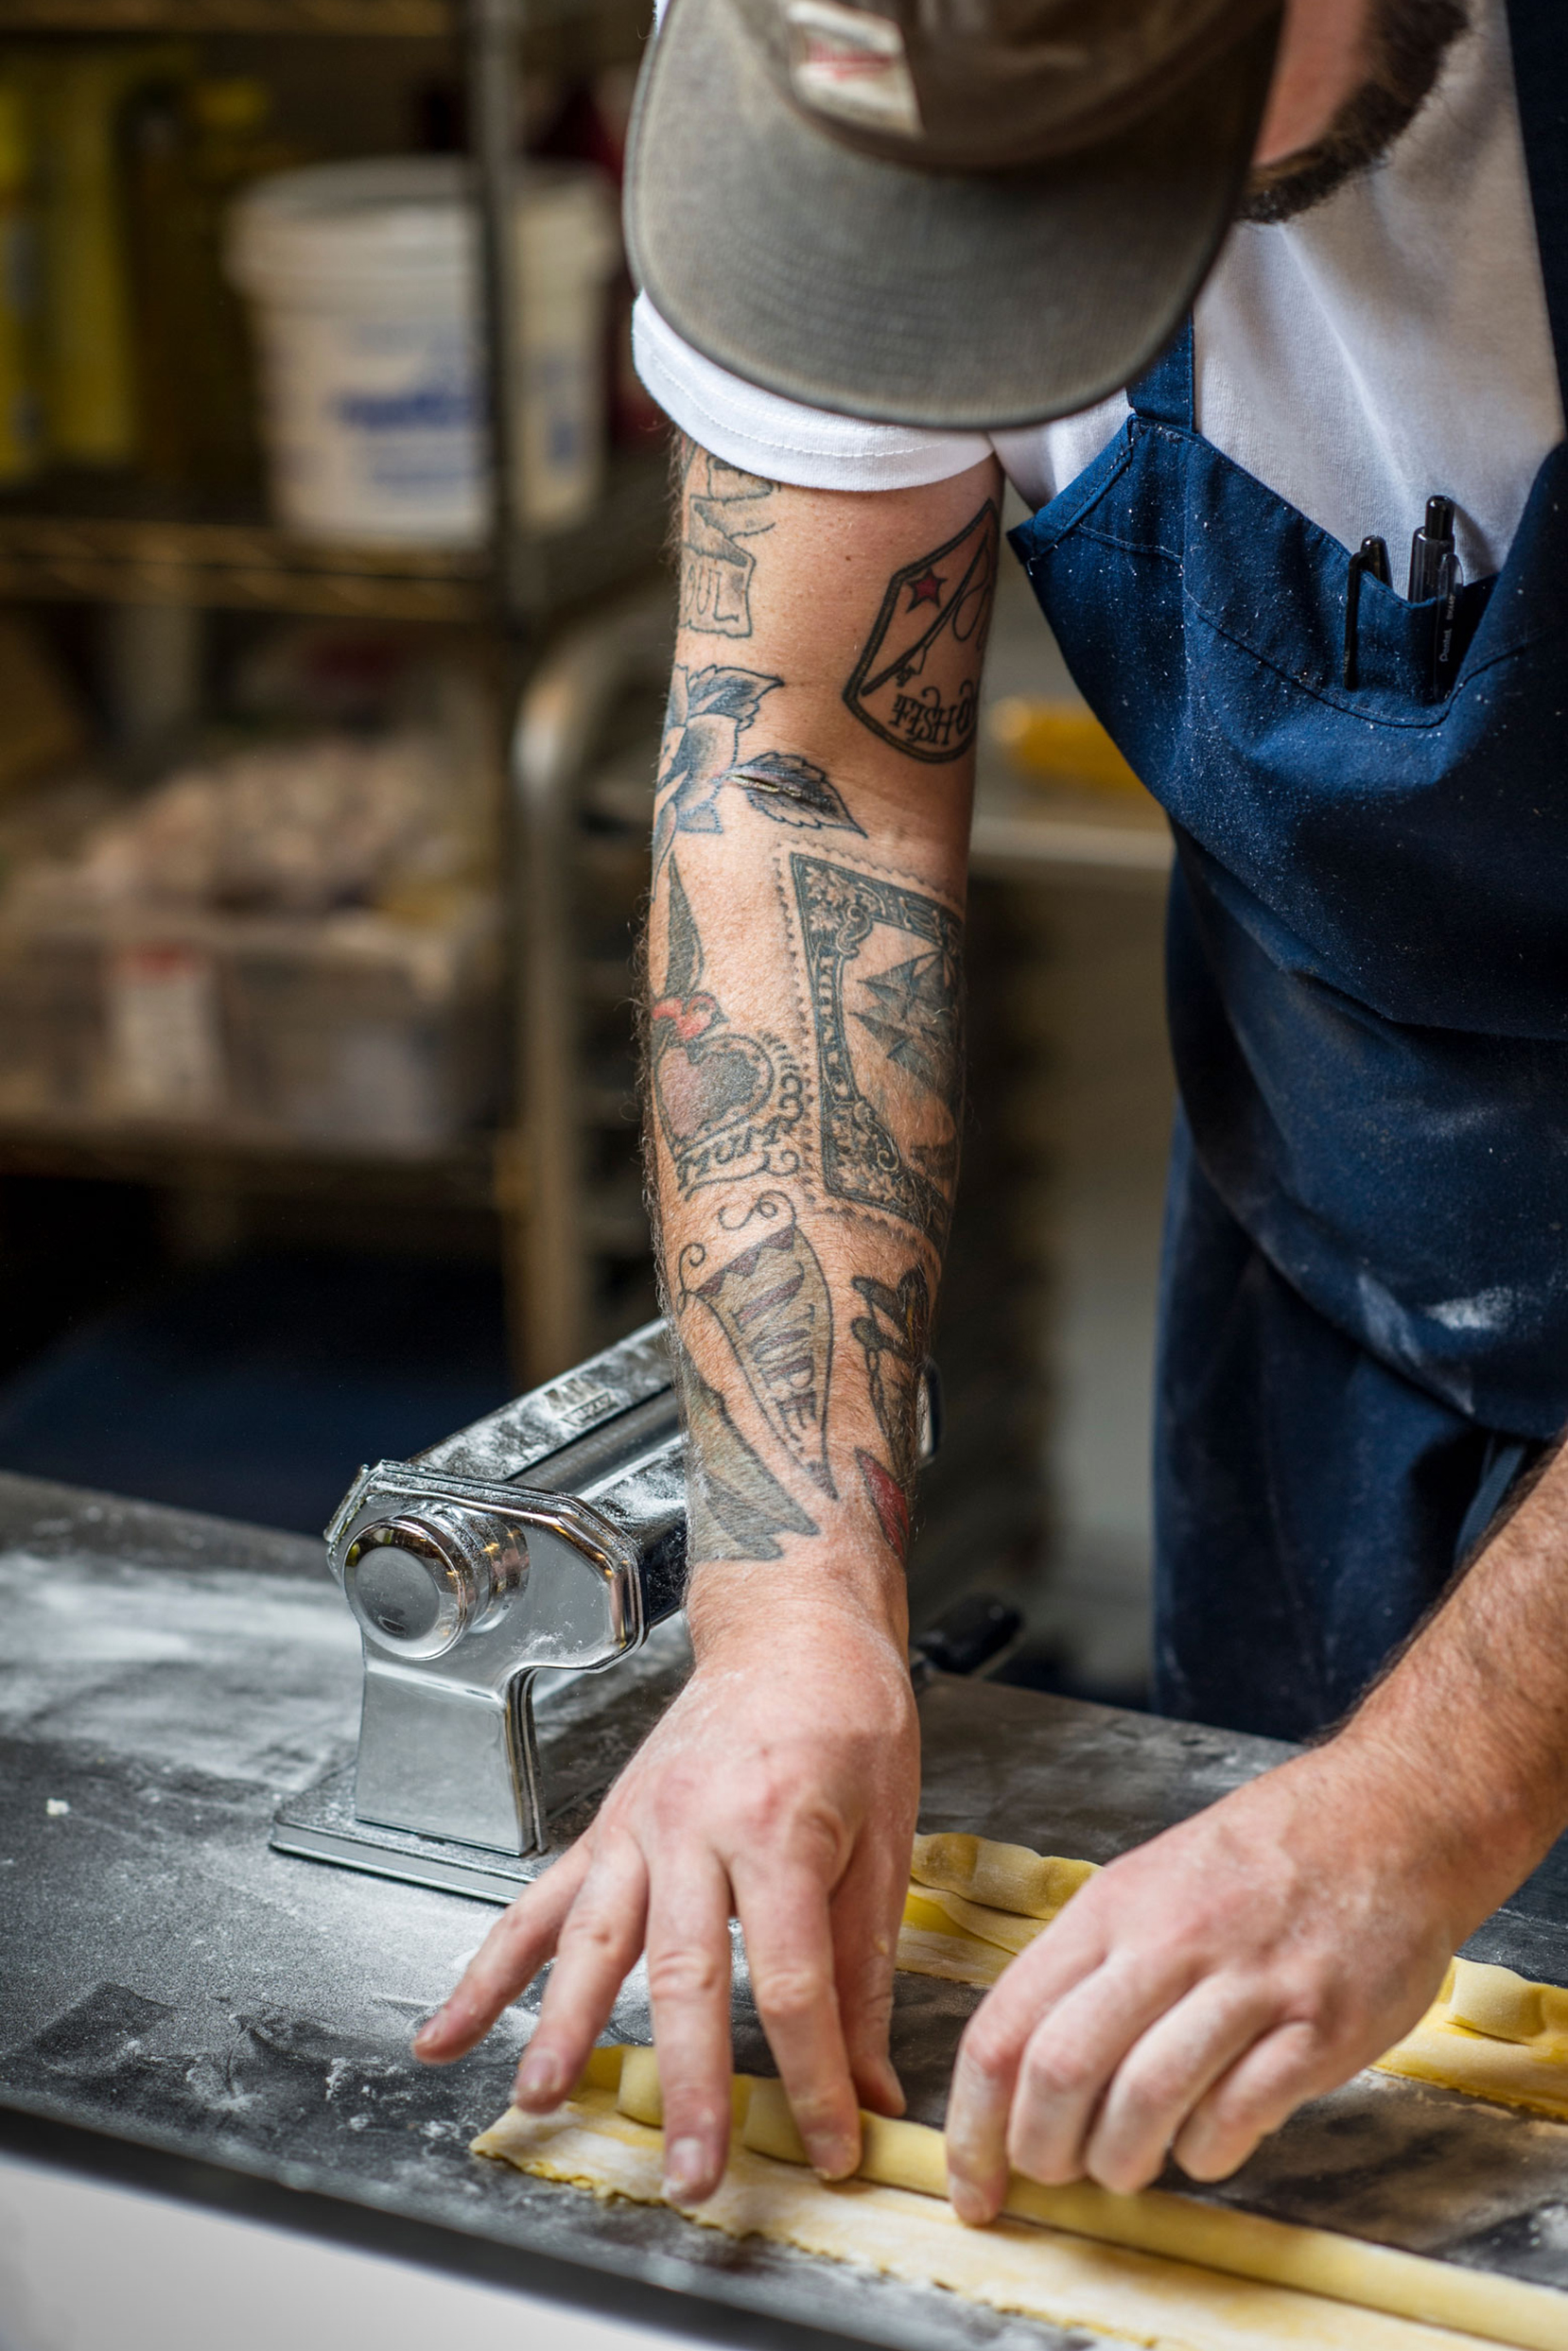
{"points": [[732, 1603], [1453, 1805]]}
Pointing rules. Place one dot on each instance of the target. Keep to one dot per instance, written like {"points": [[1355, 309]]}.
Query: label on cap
{"points": [[847, 62]]}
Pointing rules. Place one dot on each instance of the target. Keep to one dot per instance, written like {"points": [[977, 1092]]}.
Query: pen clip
{"points": [[1449, 581], [1370, 558]]}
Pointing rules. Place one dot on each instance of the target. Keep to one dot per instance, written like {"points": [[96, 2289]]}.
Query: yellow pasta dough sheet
{"points": [[1493, 2034], [1013, 2266]]}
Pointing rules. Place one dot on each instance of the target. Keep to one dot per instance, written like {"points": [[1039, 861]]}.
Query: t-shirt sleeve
{"points": [[779, 438]]}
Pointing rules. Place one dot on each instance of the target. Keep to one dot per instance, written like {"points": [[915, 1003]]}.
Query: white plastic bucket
{"points": [[363, 280]]}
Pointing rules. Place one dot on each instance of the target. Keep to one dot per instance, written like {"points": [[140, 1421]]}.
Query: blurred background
{"points": [[333, 612]]}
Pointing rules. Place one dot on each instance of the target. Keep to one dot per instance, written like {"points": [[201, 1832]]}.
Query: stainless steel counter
{"points": [[188, 2010]]}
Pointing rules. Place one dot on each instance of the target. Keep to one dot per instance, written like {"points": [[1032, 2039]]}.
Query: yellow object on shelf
{"points": [[1060, 742], [89, 356], [21, 415]]}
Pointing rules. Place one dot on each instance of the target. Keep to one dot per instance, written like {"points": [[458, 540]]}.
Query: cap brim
{"points": [[948, 301]]}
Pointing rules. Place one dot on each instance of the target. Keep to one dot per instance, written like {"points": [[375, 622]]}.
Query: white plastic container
{"points": [[362, 279]]}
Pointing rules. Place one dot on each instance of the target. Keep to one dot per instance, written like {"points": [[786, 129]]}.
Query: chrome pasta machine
{"points": [[548, 1538]]}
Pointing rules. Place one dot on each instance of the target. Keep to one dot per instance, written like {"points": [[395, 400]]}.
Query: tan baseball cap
{"points": [[962, 214]]}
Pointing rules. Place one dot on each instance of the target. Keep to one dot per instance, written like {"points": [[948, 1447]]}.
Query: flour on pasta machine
{"points": [[550, 1537]]}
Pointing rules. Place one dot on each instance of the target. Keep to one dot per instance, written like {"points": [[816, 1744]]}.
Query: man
{"points": [[961, 222]]}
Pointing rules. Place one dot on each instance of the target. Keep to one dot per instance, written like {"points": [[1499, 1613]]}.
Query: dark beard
{"points": [[1410, 40]]}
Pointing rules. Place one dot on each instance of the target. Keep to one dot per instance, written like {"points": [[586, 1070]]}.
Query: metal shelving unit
{"points": [[89, 542], [379, 19], [104, 557]]}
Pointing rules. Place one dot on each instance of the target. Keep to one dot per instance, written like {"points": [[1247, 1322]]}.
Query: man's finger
{"points": [[595, 1951], [516, 1947], [863, 1917], [986, 2075], [1259, 2092], [1163, 2077], [689, 1977], [1072, 2056], [789, 1954]]}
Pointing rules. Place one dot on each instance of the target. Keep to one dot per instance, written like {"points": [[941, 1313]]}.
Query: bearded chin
{"points": [[1410, 40]]}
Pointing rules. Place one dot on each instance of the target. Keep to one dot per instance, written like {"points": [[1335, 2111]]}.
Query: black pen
{"points": [[1369, 559], [1434, 572], [1430, 547]]}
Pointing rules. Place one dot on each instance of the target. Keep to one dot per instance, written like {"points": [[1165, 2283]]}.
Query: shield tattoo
{"points": [[883, 969], [918, 682]]}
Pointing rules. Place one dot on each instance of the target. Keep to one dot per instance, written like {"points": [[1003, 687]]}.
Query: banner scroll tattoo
{"points": [[773, 1304], [736, 1508]]}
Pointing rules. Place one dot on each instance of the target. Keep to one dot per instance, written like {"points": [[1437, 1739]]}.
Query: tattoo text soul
{"points": [[723, 508]]}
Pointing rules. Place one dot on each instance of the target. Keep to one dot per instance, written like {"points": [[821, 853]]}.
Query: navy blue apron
{"points": [[1364, 1308]]}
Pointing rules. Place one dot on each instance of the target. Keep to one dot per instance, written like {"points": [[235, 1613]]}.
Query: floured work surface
{"points": [[171, 1983]]}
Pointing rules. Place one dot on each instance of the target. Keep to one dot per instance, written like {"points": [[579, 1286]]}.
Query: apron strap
{"points": [[1164, 394], [1540, 37]]}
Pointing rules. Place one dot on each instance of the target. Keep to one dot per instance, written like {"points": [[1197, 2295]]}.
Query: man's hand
{"points": [[1193, 1995], [780, 1787]]}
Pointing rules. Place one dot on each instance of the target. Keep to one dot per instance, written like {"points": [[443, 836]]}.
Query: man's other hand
{"points": [[1193, 1995], [780, 1787]]}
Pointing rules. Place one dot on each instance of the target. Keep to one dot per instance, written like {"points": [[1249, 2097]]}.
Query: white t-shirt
{"points": [[1392, 343]]}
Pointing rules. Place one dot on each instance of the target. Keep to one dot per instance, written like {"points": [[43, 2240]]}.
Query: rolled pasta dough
{"points": [[1162, 2269]]}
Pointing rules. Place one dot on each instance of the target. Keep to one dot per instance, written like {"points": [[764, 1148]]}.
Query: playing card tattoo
{"points": [[772, 1302], [709, 712], [883, 974], [728, 1104], [916, 683]]}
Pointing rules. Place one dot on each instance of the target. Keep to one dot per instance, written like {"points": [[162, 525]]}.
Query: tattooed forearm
{"points": [[736, 1508], [802, 1024], [889, 1040], [721, 509], [772, 1302], [728, 1104], [917, 683]]}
